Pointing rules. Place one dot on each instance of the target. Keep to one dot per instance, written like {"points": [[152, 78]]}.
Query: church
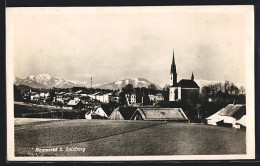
{"points": [[186, 90]]}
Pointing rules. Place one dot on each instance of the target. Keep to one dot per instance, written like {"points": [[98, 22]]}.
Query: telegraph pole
{"points": [[91, 85]]}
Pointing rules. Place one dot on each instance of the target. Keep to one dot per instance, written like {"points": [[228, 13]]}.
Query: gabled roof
{"points": [[95, 93], [126, 112], [74, 102], [235, 111], [224, 111], [79, 91], [188, 84], [161, 114], [106, 109]]}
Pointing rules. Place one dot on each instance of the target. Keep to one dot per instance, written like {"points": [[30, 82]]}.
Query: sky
{"points": [[110, 44]]}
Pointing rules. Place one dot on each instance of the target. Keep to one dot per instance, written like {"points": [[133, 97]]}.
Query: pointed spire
{"points": [[192, 77], [173, 67], [173, 61], [173, 72]]}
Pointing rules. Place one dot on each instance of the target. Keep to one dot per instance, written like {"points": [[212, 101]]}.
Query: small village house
{"points": [[104, 98], [156, 98], [35, 97], [130, 98], [99, 112], [75, 104], [228, 116], [241, 123]]}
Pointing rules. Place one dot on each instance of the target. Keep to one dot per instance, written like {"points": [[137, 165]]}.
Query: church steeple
{"points": [[173, 72], [192, 77]]}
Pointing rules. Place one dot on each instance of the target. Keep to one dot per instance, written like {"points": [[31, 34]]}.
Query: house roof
{"points": [[106, 109], [236, 111], [162, 114], [224, 111], [96, 93], [188, 84], [126, 112], [73, 102]]}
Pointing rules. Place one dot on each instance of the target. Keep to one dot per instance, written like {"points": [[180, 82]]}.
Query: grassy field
{"points": [[124, 138]]}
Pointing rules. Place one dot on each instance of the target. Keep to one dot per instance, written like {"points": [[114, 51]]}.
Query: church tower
{"points": [[173, 73], [175, 90]]}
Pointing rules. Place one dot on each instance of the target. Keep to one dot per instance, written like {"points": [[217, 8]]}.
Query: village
{"points": [[182, 101]]}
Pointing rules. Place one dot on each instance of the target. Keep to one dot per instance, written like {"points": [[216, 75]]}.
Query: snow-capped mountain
{"points": [[136, 82], [47, 81]]}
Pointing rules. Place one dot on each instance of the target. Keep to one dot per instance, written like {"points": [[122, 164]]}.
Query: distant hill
{"points": [[136, 82]]}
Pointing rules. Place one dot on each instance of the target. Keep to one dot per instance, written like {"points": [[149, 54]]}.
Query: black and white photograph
{"points": [[130, 83]]}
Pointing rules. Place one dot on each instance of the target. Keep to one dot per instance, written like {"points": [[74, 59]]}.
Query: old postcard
{"points": [[130, 83]]}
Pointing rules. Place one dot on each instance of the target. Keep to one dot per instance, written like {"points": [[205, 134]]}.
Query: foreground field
{"points": [[123, 138]]}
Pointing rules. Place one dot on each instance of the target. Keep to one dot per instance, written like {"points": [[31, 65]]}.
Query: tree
{"points": [[220, 95], [52, 94], [166, 87], [122, 99], [242, 90], [152, 87], [145, 96], [128, 88]]}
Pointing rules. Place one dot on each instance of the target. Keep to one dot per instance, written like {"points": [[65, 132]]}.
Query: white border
{"points": [[247, 10]]}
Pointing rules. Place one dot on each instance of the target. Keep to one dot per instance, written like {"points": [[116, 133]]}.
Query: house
{"points": [[160, 114], [156, 98], [130, 98], [99, 112], [43, 95], [96, 113], [104, 98], [122, 113], [227, 116], [75, 103], [35, 97], [59, 98], [241, 123]]}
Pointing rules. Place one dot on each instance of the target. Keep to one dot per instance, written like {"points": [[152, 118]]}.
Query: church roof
{"points": [[188, 84]]}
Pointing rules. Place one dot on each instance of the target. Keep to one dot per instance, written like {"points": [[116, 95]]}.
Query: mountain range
{"points": [[46, 81]]}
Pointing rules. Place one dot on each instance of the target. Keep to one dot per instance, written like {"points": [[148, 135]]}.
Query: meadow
{"points": [[126, 138]]}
